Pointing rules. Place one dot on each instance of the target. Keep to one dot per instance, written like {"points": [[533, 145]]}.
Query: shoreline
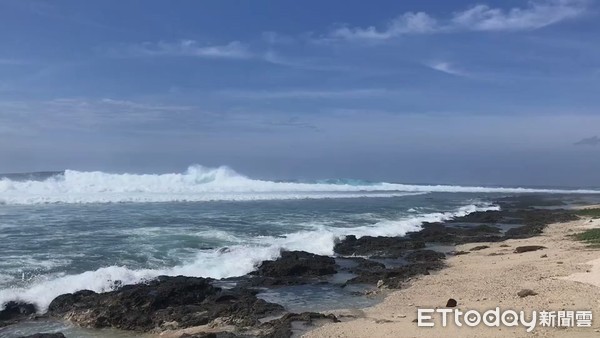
{"points": [[420, 264], [565, 275]]}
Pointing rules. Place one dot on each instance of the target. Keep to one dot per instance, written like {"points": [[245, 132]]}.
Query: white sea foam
{"points": [[227, 262], [199, 183], [5, 278]]}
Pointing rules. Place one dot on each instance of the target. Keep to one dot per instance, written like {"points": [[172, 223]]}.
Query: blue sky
{"points": [[472, 92]]}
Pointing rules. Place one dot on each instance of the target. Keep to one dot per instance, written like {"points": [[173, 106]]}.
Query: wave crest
{"points": [[199, 183]]}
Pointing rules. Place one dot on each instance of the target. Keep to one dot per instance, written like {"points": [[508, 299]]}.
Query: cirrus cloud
{"points": [[480, 17], [189, 48]]}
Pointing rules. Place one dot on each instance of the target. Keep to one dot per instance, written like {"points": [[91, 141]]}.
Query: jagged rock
{"points": [[45, 335], [490, 216], [163, 303], [211, 335], [528, 201], [384, 247], [528, 248], [297, 264], [364, 264], [424, 256], [443, 233], [451, 302], [395, 278], [535, 221], [479, 247], [16, 311], [292, 268], [282, 327]]}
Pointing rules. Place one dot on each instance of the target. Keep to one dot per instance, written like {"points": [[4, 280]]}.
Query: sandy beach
{"points": [[565, 276]]}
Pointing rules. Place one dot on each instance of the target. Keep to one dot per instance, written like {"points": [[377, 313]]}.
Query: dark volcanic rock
{"points": [[384, 247], [528, 201], [211, 335], [526, 292], [297, 264], [479, 247], [292, 268], [442, 233], [45, 335], [528, 248], [277, 328], [394, 278], [163, 303], [535, 221], [16, 311], [433, 232], [490, 216], [282, 327], [365, 265], [451, 302], [424, 256]]}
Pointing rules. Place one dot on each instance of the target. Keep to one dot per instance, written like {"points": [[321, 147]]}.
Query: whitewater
{"points": [[76, 230], [200, 183], [223, 262]]}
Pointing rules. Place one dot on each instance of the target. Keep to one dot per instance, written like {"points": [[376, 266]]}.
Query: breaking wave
{"points": [[200, 183], [232, 261]]}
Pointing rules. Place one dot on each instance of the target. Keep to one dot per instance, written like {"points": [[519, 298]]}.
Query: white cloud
{"points": [[407, 23], [191, 48], [446, 67], [536, 14]]}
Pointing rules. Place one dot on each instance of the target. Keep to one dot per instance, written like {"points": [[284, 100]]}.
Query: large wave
{"points": [[225, 262], [200, 183]]}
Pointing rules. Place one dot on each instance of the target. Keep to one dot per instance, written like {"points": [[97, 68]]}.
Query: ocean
{"points": [[66, 231]]}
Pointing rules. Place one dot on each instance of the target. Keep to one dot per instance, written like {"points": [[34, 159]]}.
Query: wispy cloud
{"points": [[589, 141], [324, 65], [536, 14], [407, 23], [446, 67], [189, 48]]}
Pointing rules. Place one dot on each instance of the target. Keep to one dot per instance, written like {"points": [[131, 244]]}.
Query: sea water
{"points": [[67, 231]]}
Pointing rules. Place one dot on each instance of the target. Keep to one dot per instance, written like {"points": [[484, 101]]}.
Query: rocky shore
{"points": [[201, 307]]}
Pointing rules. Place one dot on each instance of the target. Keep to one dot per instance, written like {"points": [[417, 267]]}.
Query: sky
{"points": [[461, 92]]}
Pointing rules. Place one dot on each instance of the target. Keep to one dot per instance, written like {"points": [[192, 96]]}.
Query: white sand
{"points": [[567, 279]]}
